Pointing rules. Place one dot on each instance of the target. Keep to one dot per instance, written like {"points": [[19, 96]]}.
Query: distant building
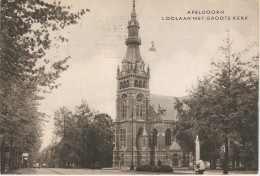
{"points": [[151, 117]]}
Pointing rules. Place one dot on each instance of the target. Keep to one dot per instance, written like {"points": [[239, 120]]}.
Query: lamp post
{"points": [[132, 157]]}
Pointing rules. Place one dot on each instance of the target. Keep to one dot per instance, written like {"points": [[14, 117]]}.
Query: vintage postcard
{"points": [[108, 87]]}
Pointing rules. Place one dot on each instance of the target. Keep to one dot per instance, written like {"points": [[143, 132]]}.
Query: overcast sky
{"points": [[184, 48]]}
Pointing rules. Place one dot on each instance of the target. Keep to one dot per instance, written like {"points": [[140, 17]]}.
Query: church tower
{"points": [[143, 133], [132, 103], [132, 79]]}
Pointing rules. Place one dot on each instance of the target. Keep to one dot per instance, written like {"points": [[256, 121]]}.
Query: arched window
{"points": [[136, 83], [141, 110], [121, 85], [140, 84], [127, 83], [122, 135], [124, 107], [168, 137]]}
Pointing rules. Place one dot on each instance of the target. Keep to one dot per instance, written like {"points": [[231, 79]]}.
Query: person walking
{"points": [[201, 167]]}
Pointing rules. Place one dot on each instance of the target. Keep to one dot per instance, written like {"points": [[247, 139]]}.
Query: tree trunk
{"points": [[3, 156], [225, 169], [11, 156], [214, 163], [15, 158]]}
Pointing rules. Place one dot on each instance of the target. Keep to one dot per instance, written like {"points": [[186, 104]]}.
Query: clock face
{"points": [[124, 97], [139, 97]]}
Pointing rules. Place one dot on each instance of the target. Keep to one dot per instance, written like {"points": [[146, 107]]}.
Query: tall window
{"points": [[122, 135], [154, 137], [137, 110], [124, 112], [140, 84], [124, 107], [136, 83], [168, 137]]}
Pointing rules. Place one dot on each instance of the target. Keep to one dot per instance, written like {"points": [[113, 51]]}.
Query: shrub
{"points": [[148, 168]]}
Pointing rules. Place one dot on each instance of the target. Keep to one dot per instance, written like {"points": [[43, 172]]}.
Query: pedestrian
{"points": [[201, 167], [197, 168]]}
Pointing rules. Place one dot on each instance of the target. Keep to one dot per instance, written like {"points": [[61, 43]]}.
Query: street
{"points": [[111, 171], [62, 171]]}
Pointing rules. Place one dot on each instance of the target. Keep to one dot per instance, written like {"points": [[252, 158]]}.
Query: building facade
{"points": [[145, 125]]}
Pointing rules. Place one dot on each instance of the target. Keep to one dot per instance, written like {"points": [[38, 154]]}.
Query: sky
{"points": [[184, 49]]}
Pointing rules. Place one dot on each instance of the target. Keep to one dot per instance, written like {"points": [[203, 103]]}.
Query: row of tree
{"points": [[26, 26], [223, 110], [82, 139]]}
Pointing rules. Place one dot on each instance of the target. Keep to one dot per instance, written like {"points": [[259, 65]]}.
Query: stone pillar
{"points": [[197, 151]]}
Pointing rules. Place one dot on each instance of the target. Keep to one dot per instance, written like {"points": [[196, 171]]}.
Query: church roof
{"points": [[166, 102], [175, 146]]}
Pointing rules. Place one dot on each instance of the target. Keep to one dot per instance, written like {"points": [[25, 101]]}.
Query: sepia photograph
{"points": [[129, 87]]}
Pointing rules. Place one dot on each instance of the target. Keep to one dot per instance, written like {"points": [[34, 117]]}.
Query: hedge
{"points": [[148, 168]]}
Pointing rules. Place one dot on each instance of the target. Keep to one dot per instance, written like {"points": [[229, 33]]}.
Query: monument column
{"points": [[197, 151]]}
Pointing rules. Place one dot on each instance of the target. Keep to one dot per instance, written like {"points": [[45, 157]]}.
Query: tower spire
{"points": [[133, 14]]}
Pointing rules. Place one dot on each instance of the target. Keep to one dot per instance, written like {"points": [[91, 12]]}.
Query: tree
{"points": [[104, 139], [24, 41], [223, 106], [84, 117], [84, 138]]}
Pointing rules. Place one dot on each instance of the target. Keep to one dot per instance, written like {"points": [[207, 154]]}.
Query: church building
{"points": [[145, 125]]}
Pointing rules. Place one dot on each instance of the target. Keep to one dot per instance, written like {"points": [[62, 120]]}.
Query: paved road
{"points": [[60, 171]]}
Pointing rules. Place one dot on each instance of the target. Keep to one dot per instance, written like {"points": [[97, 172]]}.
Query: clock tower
{"points": [[145, 124], [132, 103]]}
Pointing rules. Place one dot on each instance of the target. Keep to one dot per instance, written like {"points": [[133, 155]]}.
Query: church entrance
{"points": [[175, 160]]}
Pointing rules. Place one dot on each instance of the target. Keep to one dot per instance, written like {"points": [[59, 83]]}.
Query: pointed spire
{"points": [[133, 14], [133, 6], [118, 70]]}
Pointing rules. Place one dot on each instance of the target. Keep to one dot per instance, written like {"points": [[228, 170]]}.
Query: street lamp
{"points": [[132, 158]]}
